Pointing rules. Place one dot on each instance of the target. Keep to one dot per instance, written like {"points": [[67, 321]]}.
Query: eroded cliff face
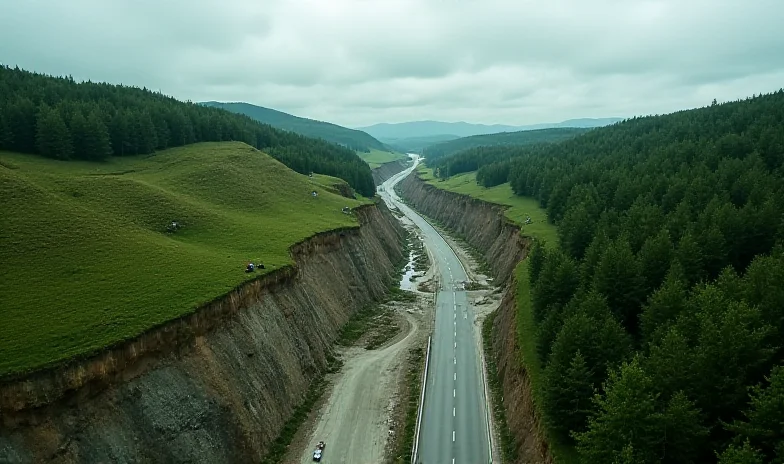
{"points": [[481, 224], [215, 386], [387, 170], [484, 227], [521, 416]]}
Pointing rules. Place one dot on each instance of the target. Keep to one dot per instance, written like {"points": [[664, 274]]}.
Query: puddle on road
{"points": [[409, 274]]}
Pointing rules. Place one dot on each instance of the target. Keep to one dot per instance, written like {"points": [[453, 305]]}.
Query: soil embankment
{"points": [[214, 386], [387, 170], [481, 224], [485, 228]]}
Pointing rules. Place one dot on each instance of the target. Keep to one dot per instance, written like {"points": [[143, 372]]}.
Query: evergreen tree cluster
{"points": [[440, 151], [478, 159], [660, 314], [62, 119], [492, 159]]}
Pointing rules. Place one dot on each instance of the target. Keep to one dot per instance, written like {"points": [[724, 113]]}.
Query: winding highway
{"points": [[454, 422]]}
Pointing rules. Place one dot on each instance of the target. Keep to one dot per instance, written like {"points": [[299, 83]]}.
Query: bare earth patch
{"points": [[356, 418], [363, 408]]}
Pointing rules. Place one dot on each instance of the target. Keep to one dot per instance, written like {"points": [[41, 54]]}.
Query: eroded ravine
{"points": [[455, 421], [483, 226]]}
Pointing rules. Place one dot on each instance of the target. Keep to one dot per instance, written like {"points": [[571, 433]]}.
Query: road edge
{"points": [[421, 403]]}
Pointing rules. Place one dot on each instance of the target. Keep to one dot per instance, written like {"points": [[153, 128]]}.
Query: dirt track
{"points": [[353, 421]]}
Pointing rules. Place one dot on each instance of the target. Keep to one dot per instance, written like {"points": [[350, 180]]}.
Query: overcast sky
{"points": [[359, 62]]}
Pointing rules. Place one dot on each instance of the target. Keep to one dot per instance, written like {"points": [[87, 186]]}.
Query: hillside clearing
{"points": [[87, 260], [377, 157]]}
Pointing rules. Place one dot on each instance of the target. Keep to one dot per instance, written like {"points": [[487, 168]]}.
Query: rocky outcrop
{"points": [[484, 226], [216, 385], [387, 170]]}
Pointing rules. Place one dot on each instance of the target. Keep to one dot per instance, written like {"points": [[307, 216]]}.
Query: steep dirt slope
{"points": [[216, 386], [387, 170], [484, 227], [521, 416], [481, 224]]}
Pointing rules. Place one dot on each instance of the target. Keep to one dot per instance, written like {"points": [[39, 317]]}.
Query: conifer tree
{"points": [[97, 142], [52, 137]]}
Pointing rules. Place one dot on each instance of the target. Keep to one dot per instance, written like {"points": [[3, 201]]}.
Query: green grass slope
{"points": [[86, 258], [351, 138], [376, 158]]}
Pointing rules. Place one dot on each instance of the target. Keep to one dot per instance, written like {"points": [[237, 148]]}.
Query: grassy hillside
{"points": [[527, 137], [376, 158], [63, 119], [519, 207], [354, 139], [87, 261]]}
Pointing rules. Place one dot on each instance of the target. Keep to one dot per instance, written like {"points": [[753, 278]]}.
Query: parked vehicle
{"points": [[319, 451]]}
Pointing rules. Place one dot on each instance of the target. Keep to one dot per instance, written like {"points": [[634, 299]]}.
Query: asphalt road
{"points": [[454, 417]]}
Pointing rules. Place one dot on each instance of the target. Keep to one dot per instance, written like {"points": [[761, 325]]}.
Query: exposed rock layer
{"points": [[217, 385], [483, 225], [387, 170]]}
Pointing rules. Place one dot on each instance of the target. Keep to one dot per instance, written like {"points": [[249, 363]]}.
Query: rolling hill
{"points": [[353, 139], [463, 129], [86, 253], [60, 118]]}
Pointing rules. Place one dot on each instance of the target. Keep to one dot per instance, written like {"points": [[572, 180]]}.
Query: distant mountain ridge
{"points": [[416, 144], [351, 138], [463, 129]]}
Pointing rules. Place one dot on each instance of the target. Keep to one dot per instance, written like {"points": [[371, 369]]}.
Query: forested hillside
{"points": [[660, 313], [60, 118], [353, 139], [437, 152], [416, 144]]}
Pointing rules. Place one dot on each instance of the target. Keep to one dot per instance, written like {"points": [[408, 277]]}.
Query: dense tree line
{"points": [[660, 314], [62, 119], [479, 159], [439, 152]]}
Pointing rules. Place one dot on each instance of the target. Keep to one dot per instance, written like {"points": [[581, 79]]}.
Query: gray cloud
{"points": [[357, 62]]}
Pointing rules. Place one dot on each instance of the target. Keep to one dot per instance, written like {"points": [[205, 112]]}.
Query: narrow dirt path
{"points": [[352, 421]]}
